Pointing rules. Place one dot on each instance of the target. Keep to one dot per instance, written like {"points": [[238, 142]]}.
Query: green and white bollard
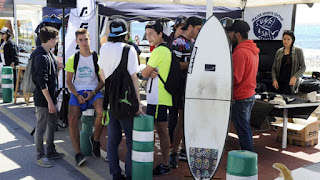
{"points": [[7, 84], [87, 120], [142, 147], [242, 165]]}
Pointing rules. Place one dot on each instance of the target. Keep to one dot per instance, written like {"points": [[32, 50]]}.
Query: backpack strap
{"points": [[95, 63], [165, 45], [124, 58], [75, 64]]}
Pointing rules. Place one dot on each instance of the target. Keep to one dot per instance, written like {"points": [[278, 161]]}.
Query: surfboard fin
{"points": [[284, 171]]}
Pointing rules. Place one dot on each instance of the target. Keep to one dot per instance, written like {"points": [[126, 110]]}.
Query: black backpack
{"points": [[309, 84], [172, 85], [95, 62], [120, 92]]}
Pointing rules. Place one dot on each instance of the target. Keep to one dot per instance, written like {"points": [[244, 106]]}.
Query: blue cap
{"points": [[118, 27]]}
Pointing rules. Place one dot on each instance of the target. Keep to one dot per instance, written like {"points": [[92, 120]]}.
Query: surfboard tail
{"points": [[203, 162]]}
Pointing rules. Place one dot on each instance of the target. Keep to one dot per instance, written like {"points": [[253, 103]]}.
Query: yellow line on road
{"points": [[85, 170]]}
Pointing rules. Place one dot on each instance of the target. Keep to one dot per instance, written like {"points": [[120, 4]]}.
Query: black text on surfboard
{"points": [[193, 55]]}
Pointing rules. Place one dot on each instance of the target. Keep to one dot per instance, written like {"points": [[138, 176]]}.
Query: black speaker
{"points": [[62, 3]]}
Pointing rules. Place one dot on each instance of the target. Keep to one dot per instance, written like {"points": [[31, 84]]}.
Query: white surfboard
{"points": [[208, 99]]}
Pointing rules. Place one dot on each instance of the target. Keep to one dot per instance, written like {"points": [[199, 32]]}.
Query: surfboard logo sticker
{"points": [[193, 56], [203, 162], [209, 67]]}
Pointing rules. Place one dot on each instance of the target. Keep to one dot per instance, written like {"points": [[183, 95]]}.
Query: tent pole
{"points": [[209, 9], [97, 46], [16, 37], [294, 13], [64, 90]]}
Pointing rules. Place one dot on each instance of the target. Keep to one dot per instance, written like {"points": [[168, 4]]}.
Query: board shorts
{"points": [[74, 101], [159, 112]]}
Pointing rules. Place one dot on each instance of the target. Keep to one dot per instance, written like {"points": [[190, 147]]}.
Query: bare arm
{"points": [[149, 72], [72, 89], [134, 78], [184, 65], [91, 94], [102, 76]]}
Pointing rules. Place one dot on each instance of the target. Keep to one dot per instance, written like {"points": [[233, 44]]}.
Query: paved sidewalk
{"points": [[18, 155]]}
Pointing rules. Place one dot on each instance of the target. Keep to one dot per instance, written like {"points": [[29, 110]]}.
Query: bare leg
{"points": [[162, 130], [178, 132], [73, 117], [98, 106]]}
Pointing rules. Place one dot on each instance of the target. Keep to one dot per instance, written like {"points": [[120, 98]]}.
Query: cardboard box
{"points": [[301, 133]]}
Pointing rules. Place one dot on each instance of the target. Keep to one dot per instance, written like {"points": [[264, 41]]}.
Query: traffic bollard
{"points": [[242, 165], [142, 147], [7, 84], [87, 120]]}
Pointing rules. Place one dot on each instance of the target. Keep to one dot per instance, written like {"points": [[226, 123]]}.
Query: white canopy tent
{"points": [[224, 3], [27, 9]]}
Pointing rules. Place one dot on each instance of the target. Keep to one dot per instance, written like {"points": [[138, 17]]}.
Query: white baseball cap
{"points": [[4, 30]]}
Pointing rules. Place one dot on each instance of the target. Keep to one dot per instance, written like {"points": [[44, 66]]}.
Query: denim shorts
{"points": [[159, 112], [74, 101]]}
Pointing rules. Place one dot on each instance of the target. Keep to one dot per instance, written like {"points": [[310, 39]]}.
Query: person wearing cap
{"points": [[245, 59], [9, 51], [173, 111], [181, 49], [44, 75], [110, 57], [85, 84], [177, 31], [158, 98], [288, 65]]}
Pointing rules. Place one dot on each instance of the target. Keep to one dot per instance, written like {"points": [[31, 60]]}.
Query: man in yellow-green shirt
{"points": [[157, 97]]}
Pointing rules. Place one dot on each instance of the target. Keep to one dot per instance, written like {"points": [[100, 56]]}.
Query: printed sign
{"points": [[6, 8], [268, 23]]}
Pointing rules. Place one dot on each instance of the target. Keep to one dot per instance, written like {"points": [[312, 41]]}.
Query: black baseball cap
{"points": [[118, 27], [156, 25], [239, 26], [194, 21]]}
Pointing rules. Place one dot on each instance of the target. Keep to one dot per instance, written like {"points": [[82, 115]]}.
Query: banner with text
{"points": [[268, 23], [84, 16]]}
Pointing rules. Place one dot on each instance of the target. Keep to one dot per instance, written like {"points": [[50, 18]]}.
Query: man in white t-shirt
{"points": [[110, 57], [84, 83]]}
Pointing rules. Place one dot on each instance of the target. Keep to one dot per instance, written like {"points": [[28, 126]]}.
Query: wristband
{"points": [[94, 92], [77, 95]]}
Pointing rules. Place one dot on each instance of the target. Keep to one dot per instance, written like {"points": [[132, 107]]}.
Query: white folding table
{"points": [[285, 118]]}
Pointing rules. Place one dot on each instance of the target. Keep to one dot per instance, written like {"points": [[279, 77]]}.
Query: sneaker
{"points": [[106, 159], [44, 162], [119, 177], [80, 159], [55, 155], [183, 155], [95, 147], [161, 170], [173, 160]]}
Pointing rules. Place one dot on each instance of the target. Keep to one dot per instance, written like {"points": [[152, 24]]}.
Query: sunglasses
{"points": [[288, 31]]}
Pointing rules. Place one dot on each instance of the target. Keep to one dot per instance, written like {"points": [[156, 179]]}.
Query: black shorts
{"points": [[159, 112]]}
